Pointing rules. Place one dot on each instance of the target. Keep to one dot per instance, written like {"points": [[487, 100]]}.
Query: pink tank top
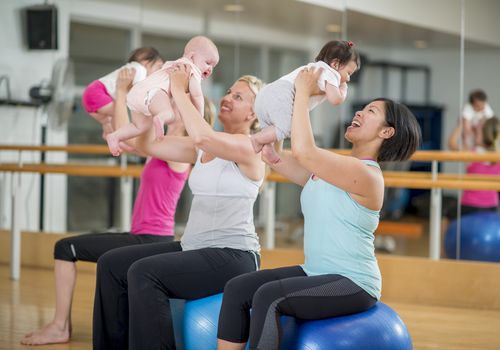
{"points": [[156, 201], [481, 199]]}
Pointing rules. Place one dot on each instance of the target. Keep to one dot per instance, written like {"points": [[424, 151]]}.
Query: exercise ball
{"points": [[378, 328], [200, 320], [479, 237]]}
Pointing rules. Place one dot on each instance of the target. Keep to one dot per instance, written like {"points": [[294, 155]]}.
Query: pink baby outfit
{"points": [[156, 201], [140, 95], [102, 91]]}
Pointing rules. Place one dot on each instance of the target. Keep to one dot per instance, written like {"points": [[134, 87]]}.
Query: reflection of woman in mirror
{"points": [[478, 200], [474, 200]]}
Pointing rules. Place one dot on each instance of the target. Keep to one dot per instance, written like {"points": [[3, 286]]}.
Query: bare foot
{"points": [[269, 153], [158, 125], [107, 128], [49, 334], [113, 144], [257, 146]]}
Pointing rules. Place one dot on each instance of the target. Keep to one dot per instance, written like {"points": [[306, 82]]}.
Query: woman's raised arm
{"points": [[345, 172], [235, 147]]}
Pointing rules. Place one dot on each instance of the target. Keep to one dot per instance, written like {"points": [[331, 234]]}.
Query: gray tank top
{"points": [[221, 213]]}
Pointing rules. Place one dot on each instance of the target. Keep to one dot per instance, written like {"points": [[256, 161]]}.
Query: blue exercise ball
{"points": [[479, 237], [200, 321], [201, 317], [378, 328]]}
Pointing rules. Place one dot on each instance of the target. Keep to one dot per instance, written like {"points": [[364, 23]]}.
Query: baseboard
{"points": [[464, 284]]}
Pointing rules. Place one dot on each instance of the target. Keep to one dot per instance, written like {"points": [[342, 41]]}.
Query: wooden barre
{"points": [[405, 229], [273, 176], [74, 169], [391, 179], [420, 181], [456, 184], [75, 148], [451, 156], [442, 176]]}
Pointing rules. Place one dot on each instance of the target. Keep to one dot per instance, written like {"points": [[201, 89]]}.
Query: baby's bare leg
{"points": [[265, 136], [140, 123], [104, 117], [162, 112]]}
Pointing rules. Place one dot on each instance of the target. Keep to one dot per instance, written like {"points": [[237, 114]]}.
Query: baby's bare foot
{"points": [[113, 144], [269, 153]]}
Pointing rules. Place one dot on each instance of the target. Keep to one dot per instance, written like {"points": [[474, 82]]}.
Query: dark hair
{"points": [[343, 51], [148, 54], [477, 95], [407, 133], [491, 133]]}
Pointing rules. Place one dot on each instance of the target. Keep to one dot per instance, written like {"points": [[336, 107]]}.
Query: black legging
{"points": [[283, 291], [134, 284], [89, 247]]}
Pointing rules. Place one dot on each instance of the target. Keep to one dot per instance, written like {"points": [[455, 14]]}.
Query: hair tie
{"points": [[350, 43]]}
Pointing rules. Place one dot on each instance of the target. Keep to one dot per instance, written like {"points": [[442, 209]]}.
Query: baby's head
{"points": [[204, 54], [149, 57], [478, 99], [341, 56]]}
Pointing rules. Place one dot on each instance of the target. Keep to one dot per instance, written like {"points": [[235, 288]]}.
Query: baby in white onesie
{"points": [[274, 103]]}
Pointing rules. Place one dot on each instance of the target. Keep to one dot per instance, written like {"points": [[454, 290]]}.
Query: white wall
{"points": [[443, 15], [26, 68]]}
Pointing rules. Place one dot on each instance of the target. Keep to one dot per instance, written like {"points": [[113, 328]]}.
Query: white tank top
{"points": [[221, 213]]}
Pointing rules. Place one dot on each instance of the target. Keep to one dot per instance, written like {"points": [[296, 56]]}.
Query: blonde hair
{"points": [[491, 134], [209, 111], [255, 85]]}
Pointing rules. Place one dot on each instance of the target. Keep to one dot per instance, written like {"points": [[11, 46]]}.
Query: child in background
{"points": [[98, 97], [274, 104], [150, 101], [474, 114]]}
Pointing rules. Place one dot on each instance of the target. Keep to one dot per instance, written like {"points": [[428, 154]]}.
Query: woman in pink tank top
{"points": [[152, 221]]}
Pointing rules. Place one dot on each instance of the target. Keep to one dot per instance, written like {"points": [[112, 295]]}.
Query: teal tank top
{"points": [[339, 234]]}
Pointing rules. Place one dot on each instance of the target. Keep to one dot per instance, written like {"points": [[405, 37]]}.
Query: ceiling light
{"points": [[420, 44], [333, 28], [234, 8]]}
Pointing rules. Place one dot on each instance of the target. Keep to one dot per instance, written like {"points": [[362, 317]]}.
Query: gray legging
{"points": [[284, 291]]}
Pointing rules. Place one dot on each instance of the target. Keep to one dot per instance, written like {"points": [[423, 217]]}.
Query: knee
{"points": [[63, 250], [138, 277], [267, 294], [106, 263], [238, 291]]}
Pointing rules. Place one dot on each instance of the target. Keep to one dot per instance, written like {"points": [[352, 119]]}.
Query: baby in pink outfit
{"points": [[98, 97], [150, 100]]}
